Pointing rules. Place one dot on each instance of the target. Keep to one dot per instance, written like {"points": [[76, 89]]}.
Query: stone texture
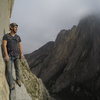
{"points": [[20, 93], [5, 11], [34, 86], [4, 90]]}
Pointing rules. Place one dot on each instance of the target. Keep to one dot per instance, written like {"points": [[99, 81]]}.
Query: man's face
{"points": [[14, 29]]}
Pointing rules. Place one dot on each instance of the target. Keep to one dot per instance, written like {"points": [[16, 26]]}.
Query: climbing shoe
{"points": [[12, 86], [18, 82]]}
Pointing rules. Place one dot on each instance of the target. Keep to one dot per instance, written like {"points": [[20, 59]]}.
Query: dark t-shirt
{"points": [[12, 44]]}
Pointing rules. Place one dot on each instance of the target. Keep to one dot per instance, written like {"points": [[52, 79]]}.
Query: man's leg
{"points": [[17, 70], [9, 65]]}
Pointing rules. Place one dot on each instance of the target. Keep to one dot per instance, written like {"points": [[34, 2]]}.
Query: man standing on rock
{"points": [[12, 54]]}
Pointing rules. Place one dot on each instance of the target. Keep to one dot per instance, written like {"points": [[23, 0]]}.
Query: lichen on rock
{"points": [[34, 86]]}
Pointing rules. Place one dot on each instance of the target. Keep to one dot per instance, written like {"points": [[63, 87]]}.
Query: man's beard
{"points": [[14, 31]]}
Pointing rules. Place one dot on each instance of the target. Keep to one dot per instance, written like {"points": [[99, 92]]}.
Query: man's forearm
{"points": [[4, 44], [20, 49], [5, 51]]}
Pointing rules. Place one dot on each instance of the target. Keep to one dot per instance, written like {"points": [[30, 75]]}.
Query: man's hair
{"points": [[12, 25]]}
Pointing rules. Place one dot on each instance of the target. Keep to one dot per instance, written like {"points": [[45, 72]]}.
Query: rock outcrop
{"points": [[5, 13], [72, 68], [37, 58], [32, 87]]}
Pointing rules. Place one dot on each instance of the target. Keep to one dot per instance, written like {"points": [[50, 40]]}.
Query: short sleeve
{"points": [[19, 40], [5, 37]]}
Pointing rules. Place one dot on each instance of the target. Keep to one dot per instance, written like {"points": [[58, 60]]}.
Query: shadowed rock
{"points": [[72, 68]]}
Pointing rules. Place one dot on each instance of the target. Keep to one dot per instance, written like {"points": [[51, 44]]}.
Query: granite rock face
{"points": [[31, 88], [34, 86], [72, 68], [5, 13], [4, 89]]}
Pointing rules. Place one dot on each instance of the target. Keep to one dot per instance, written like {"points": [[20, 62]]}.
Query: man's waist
{"points": [[13, 54]]}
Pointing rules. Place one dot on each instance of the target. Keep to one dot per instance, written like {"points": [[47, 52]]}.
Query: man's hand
{"points": [[6, 58]]}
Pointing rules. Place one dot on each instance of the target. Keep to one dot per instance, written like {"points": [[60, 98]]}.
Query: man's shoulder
{"points": [[6, 35], [17, 35]]}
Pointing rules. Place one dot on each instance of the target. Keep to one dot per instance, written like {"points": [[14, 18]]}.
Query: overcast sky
{"points": [[41, 20]]}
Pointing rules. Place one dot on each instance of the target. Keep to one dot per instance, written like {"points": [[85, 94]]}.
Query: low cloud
{"points": [[41, 20]]}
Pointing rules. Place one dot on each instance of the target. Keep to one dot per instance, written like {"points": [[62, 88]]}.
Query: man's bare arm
{"points": [[4, 44], [21, 50]]}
